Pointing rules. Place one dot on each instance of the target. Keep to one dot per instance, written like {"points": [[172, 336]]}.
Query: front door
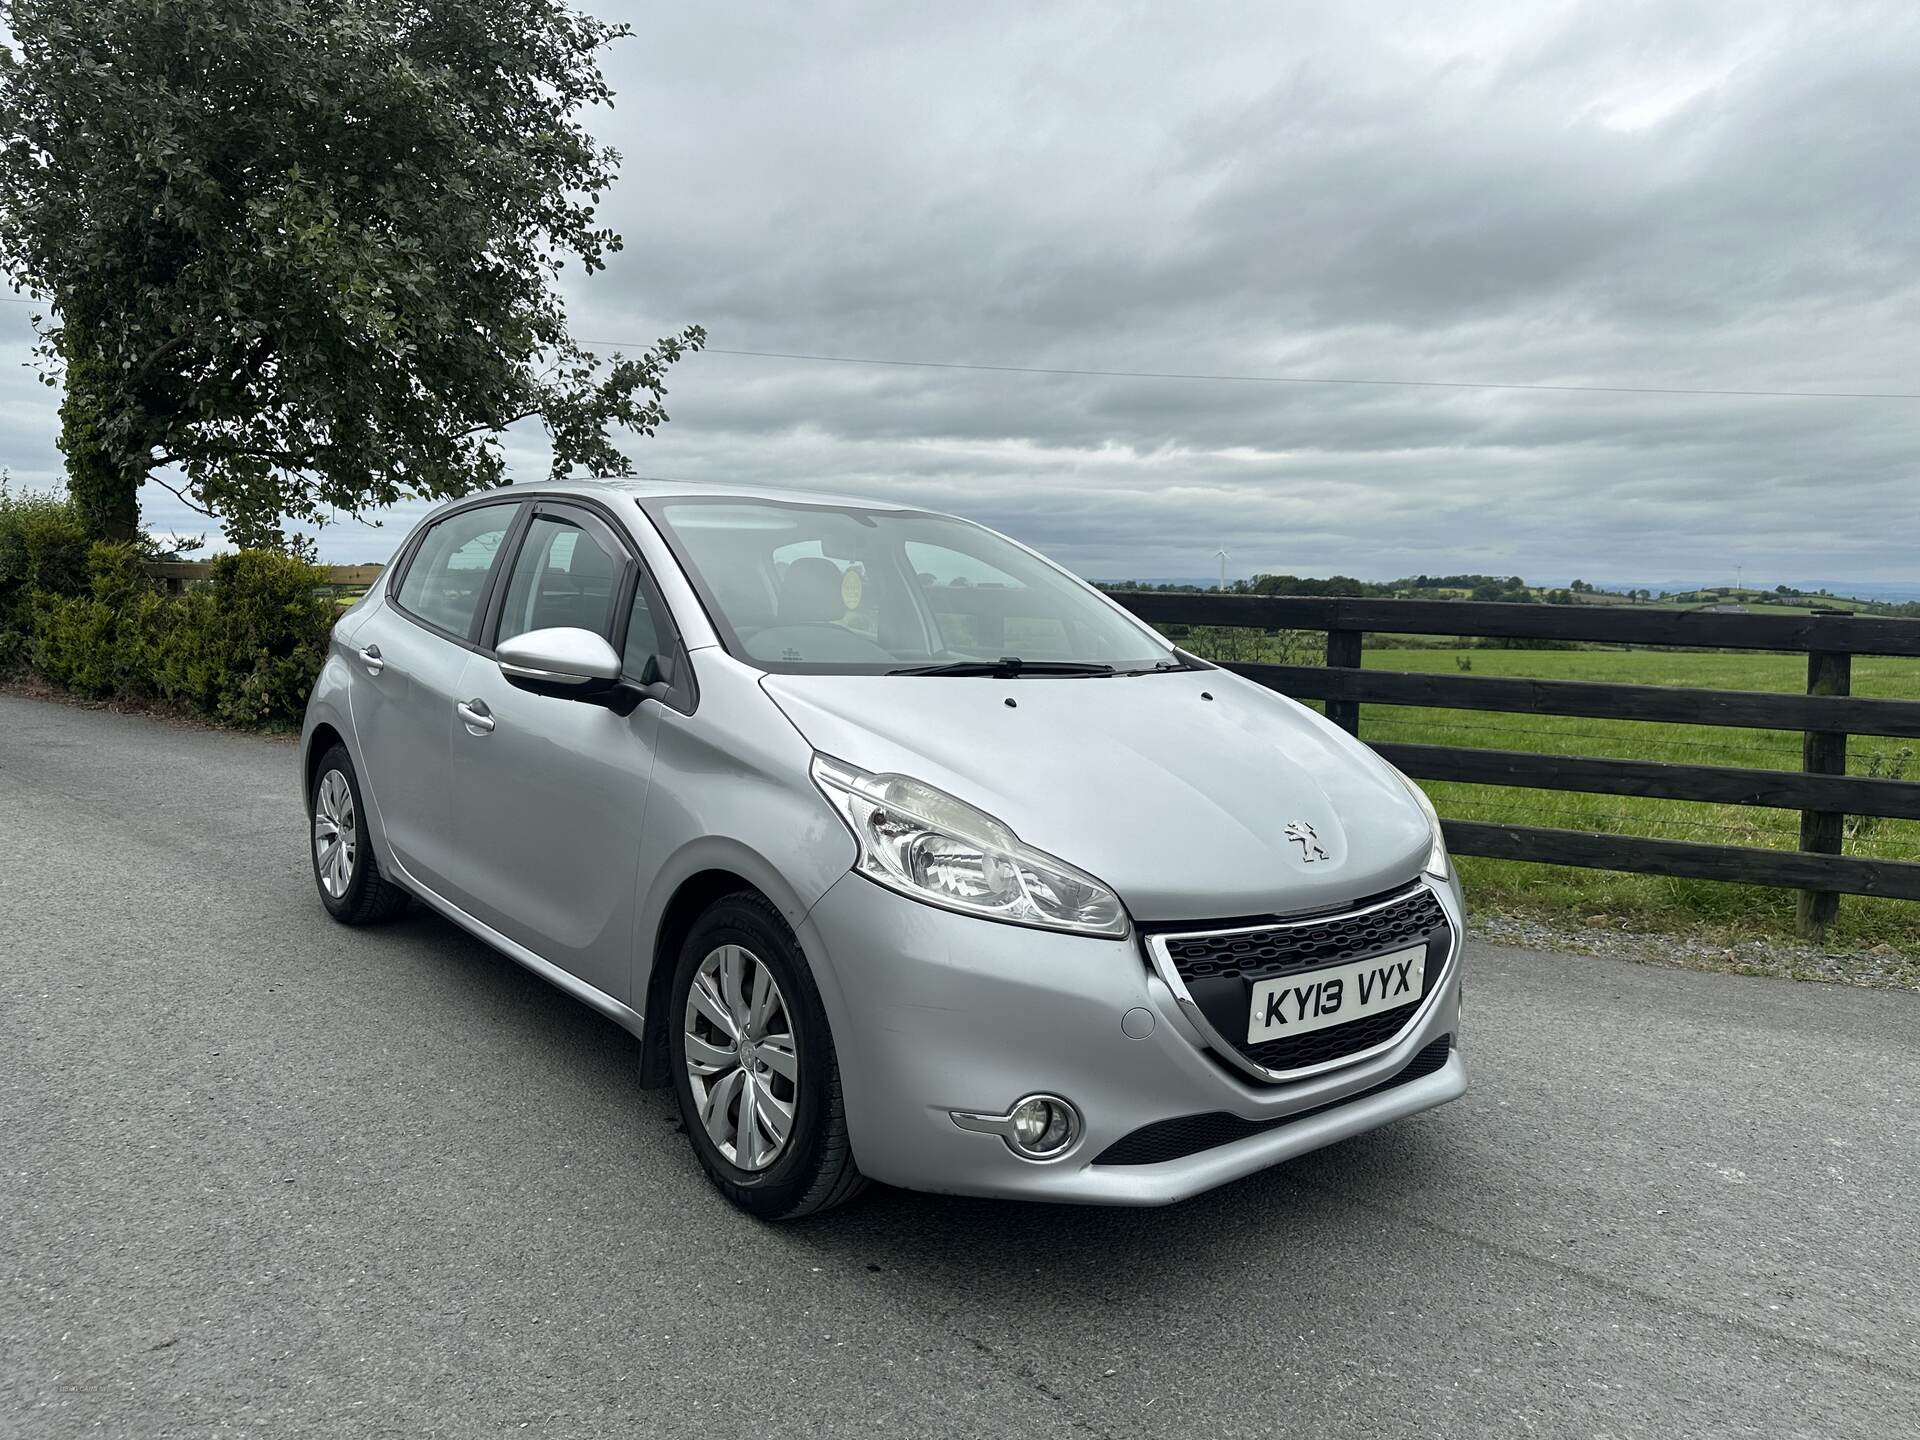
{"points": [[409, 655], [549, 795]]}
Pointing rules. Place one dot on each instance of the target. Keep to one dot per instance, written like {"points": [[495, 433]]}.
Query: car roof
{"points": [[650, 488]]}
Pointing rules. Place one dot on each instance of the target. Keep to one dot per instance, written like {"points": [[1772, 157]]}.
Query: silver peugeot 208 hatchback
{"points": [[905, 854]]}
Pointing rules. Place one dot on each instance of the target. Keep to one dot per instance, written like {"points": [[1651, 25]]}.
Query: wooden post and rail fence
{"points": [[1821, 790]]}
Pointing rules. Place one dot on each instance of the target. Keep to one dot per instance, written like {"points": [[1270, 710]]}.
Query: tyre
{"points": [[754, 1065], [345, 867]]}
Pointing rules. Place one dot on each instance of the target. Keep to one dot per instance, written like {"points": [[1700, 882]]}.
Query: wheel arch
{"points": [[322, 738], [702, 874], [329, 722]]}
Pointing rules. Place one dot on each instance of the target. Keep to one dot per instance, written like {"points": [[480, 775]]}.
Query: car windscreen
{"points": [[830, 589]]}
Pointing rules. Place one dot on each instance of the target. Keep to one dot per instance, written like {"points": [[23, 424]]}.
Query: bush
{"points": [[1521, 642], [243, 649], [43, 548], [1238, 644], [254, 639]]}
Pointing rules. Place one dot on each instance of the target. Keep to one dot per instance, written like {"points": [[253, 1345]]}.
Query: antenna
{"points": [[1222, 554]]}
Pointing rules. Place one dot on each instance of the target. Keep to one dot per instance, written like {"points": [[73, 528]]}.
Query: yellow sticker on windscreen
{"points": [[850, 588]]}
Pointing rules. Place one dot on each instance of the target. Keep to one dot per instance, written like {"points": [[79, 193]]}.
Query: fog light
{"points": [[1040, 1127]]}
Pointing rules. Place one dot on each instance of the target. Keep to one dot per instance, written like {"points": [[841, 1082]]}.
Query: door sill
{"points": [[617, 1011]]}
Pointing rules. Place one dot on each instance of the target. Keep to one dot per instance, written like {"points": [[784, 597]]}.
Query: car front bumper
{"points": [[935, 1013]]}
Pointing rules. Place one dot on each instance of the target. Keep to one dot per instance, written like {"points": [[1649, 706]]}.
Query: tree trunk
{"points": [[103, 480]]}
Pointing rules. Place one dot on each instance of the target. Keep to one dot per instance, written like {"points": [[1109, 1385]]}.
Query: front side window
{"points": [[565, 575], [448, 575], [808, 588]]}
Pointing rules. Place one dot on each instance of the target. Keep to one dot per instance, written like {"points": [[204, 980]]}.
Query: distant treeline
{"points": [[1474, 587], [1513, 590]]}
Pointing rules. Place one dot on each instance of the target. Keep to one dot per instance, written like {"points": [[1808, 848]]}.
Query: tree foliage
{"points": [[303, 255]]}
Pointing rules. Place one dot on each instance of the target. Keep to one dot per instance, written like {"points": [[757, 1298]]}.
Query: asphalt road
{"points": [[266, 1175]]}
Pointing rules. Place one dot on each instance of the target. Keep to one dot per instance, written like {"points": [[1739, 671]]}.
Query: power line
{"points": [[1302, 379], [1223, 378]]}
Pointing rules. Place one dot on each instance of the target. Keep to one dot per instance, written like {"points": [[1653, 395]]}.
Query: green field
{"points": [[1638, 900]]}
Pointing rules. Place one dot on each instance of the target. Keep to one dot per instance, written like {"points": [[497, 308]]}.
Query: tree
{"points": [[302, 256]]}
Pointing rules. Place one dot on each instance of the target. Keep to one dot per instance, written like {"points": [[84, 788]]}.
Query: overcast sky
{"points": [[1607, 194]]}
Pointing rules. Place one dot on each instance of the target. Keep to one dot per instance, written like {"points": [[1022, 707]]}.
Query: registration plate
{"points": [[1315, 999]]}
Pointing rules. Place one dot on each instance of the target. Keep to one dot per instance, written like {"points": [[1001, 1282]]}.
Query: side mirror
{"points": [[656, 678], [564, 662]]}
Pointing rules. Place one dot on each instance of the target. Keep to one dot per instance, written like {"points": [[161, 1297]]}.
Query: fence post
{"points": [[1823, 832], [1343, 653]]}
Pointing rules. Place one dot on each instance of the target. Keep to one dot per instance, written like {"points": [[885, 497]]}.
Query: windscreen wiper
{"points": [[1160, 668], [1007, 667]]}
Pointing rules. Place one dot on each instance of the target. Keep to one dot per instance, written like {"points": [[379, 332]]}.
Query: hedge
{"points": [[43, 550], [242, 649]]}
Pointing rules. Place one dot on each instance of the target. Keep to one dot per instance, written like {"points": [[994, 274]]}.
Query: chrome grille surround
{"points": [[1159, 943]]}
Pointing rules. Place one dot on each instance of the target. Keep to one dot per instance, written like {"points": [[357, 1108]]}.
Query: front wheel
{"points": [[754, 1065]]}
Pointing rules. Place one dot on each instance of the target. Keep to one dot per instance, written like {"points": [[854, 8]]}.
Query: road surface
{"points": [[263, 1174]]}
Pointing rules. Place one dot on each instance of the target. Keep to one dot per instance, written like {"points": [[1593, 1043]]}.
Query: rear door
{"points": [[549, 796], [409, 655]]}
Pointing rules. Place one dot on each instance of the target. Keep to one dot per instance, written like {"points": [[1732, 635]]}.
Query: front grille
{"points": [[1190, 1134], [1220, 969], [1263, 953]]}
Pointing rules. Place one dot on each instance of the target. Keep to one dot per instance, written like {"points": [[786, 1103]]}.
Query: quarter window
{"points": [[643, 636], [448, 575]]}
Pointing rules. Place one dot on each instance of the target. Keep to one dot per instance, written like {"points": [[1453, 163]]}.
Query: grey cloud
{"points": [[1675, 194]]}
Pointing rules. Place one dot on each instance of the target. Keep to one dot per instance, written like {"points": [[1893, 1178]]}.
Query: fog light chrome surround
{"points": [[1038, 1128]]}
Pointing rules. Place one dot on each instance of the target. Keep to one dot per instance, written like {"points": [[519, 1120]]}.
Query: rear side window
{"points": [[448, 576]]}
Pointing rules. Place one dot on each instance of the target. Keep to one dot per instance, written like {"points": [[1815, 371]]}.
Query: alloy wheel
{"points": [[336, 835], [741, 1058]]}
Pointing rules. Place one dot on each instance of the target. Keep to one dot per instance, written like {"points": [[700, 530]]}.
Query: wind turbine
{"points": [[1222, 556]]}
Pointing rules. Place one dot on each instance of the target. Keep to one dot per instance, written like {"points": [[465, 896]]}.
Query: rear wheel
{"points": [[754, 1065], [344, 866]]}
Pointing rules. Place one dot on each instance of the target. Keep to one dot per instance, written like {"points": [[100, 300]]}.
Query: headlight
{"points": [[930, 846], [1437, 864]]}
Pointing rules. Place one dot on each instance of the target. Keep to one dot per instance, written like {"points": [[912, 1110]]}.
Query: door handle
{"points": [[370, 657], [475, 715]]}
